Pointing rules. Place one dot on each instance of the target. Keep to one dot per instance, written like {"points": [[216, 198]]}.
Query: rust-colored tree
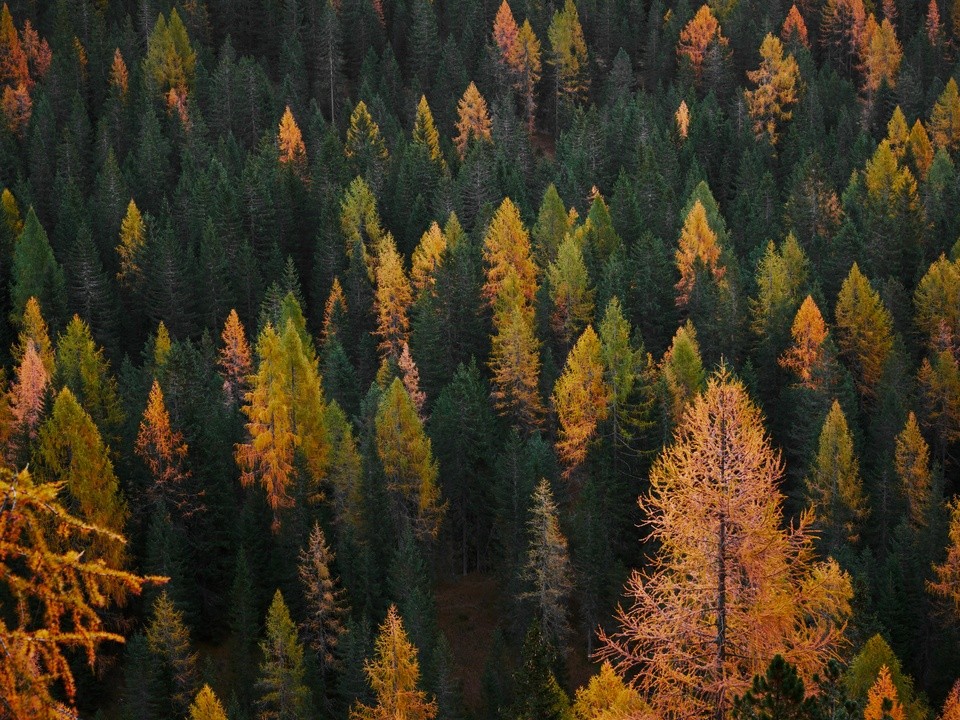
{"points": [[805, 357], [293, 153], [234, 360], [163, 451], [947, 582], [61, 597], [794, 30], [698, 252], [729, 586], [882, 700]]}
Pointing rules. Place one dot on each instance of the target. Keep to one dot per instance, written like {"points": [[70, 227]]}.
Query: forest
{"points": [[455, 360]]}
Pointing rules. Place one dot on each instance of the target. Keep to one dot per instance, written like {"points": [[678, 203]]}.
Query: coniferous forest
{"points": [[446, 360]]}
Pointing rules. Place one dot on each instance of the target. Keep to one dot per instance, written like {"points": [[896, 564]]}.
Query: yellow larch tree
{"points": [[805, 357], [698, 250], [506, 248], [864, 330], [945, 118], [163, 451], [133, 239], [776, 91], [234, 360], [394, 675], [581, 398], [882, 700], [392, 300], [730, 585], [425, 133], [427, 258], [881, 56], [406, 455]]}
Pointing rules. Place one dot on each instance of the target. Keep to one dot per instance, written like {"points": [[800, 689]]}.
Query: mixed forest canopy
{"points": [[440, 359]]}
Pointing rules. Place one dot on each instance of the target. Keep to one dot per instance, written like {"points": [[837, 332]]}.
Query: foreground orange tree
{"points": [[61, 594], [729, 587]]}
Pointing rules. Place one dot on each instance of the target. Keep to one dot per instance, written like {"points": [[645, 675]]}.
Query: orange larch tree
{"points": [[776, 91], [882, 700], [164, 452], [730, 586], [505, 32], [882, 54], [794, 29], [696, 37], [805, 357], [473, 119], [392, 300], [947, 583], [293, 153], [119, 75], [27, 399], [698, 250], [62, 597], [234, 359]]}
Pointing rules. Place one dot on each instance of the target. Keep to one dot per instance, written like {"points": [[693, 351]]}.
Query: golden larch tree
{"points": [[920, 149], [947, 583], [568, 54], [864, 330], [945, 118], [285, 408], [206, 706], [292, 151], [882, 700], [234, 360], [473, 119], [682, 119], [133, 239], [62, 594], [696, 37], [515, 357], [505, 32], [119, 76], [425, 133], [526, 60], [392, 299], [334, 312], [730, 585], [581, 398], [776, 81], [394, 674], [951, 706], [912, 462], [698, 250], [406, 454], [506, 249], [427, 257], [608, 697], [805, 356], [881, 57], [34, 330]]}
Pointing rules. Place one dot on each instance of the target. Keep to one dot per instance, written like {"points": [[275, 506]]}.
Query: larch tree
{"points": [[427, 258], [169, 640], [805, 356], [285, 408], [410, 376], [912, 462], [206, 706], [682, 373], [947, 582], [119, 75], [83, 367], [570, 291], [882, 701], [881, 57], [729, 586], [62, 594], [284, 694], [133, 240], [951, 706], [937, 304], [505, 33], [697, 37], [326, 604], [776, 81], [473, 120], [841, 31], [581, 398], [365, 148], [392, 300], [425, 133], [292, 151], [568, 55], [682, 120], [335, 313], [945, 118], [506, 248], [69, 451], [794, 30], [608, 697], [834, 487], [33, 330], [234, 360], [163, 451], [864, 330], [547, 571], [515, 357], [939, 381], [27, 399], [526, 58], [698, 253], [920, 150], [170, 60], [406, 455], [394, 675]]}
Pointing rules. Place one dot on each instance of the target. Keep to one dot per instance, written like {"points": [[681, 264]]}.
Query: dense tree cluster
{"points": [[317, 314]]}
